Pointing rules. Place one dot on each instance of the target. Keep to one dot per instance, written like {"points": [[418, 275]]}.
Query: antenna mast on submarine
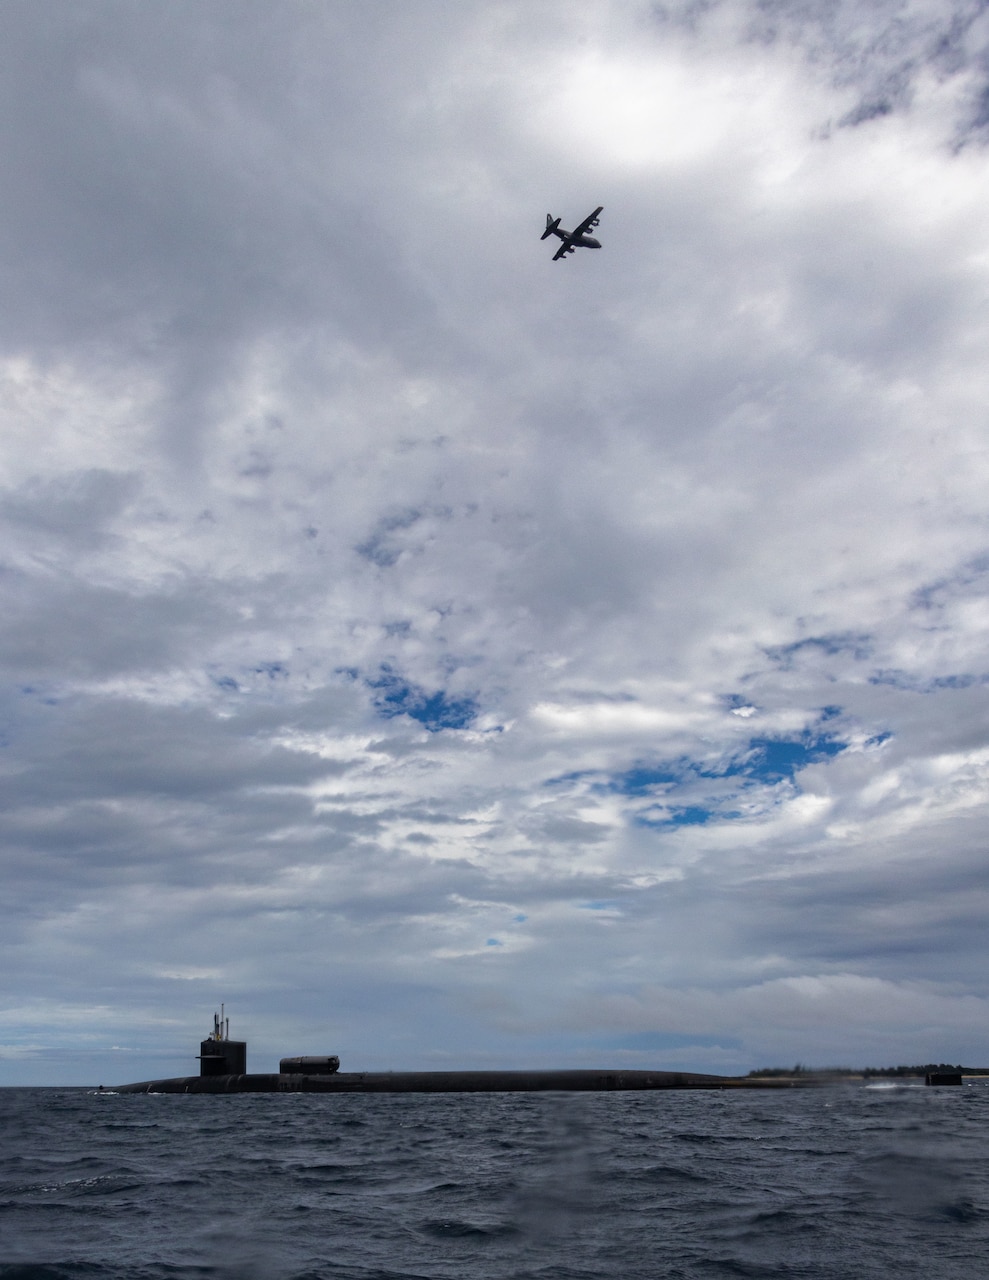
{"points": [[221, 1026]]}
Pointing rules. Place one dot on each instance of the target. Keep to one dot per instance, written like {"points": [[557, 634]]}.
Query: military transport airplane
{"points": [[571, 239]]}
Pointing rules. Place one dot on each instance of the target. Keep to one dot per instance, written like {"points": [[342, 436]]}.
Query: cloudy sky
{"points": [[450, 657]]}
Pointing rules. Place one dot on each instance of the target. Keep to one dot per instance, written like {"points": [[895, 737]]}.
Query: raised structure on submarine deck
{"points": [[218, 1054], [223, 1069]]}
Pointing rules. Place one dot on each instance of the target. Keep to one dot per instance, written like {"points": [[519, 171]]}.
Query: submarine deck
{"points": [[453, 1082]]}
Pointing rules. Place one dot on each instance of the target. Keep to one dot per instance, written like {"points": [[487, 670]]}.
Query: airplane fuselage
{"points": [[578, 238]]}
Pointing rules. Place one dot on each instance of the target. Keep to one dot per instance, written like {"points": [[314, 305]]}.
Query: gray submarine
{"points": [[223, 1069]]}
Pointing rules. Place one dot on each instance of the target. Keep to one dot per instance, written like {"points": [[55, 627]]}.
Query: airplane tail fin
{"points": [[551, 225]]}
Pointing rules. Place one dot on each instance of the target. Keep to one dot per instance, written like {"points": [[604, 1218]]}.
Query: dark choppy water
{"points": [[834, 1184]]}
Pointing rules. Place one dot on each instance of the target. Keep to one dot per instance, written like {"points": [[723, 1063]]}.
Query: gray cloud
{"points": [[441, 654]]}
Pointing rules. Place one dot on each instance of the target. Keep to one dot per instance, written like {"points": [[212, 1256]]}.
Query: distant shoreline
{"points": [[866, 1073]]}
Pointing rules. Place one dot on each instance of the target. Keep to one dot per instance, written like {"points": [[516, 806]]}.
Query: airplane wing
{"points": [[588, 222], [564, 248]]}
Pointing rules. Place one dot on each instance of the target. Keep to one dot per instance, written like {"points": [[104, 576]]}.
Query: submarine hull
{"points": [[577, 1081]]}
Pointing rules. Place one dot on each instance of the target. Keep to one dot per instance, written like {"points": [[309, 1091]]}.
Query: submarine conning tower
{"points": [[218, 1054]]}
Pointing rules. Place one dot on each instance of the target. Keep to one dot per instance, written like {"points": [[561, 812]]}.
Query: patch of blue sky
{"points": [[562, 779], [762, 759], [273, 670], [776, 759], [858, 645], [381, 548], [685, 792], [44, 696], [396, 696], [936, 594], [643, 779], [899, 679], [453, 662], [688, 815]]}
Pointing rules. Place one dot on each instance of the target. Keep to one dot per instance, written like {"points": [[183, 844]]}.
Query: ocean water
{"points": [[841, 1182]]}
